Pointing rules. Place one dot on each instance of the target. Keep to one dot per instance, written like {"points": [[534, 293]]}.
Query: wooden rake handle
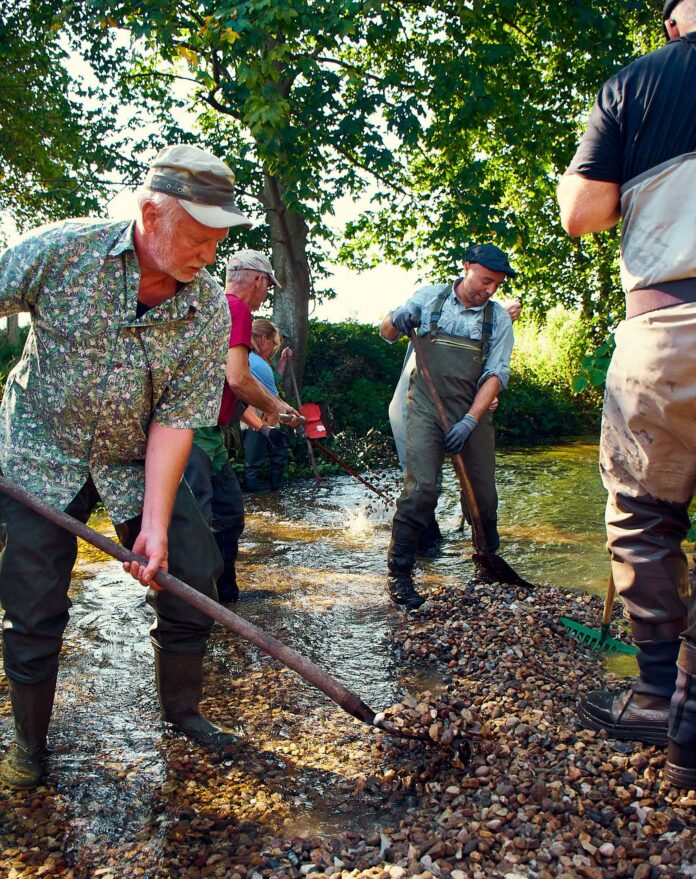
{"points": [[344, 698]]}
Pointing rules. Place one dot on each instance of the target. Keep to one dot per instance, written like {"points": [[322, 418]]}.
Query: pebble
{"points": [[505, 783]]}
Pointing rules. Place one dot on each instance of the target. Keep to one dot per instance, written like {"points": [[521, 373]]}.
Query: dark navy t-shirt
{"points": [[644, 115]]}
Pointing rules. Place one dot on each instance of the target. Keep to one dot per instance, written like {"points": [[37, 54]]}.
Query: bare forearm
{"points": [[485, 395], [251, 419], [165, 459], [251, 391], [167, 451]]}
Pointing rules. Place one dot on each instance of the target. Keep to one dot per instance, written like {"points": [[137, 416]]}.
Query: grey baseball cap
{"points": [[255, 261], [491, 257], [203, 184], [668, 8]]}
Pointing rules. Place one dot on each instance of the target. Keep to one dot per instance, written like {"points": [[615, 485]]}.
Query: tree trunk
{"points": [[289, 250], [12, 329]]}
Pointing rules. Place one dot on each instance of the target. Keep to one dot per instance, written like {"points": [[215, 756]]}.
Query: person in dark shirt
{"points": [[637, 162]]}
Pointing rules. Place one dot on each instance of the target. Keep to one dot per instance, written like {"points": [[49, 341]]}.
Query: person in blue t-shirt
{"points": [[265, 342]]}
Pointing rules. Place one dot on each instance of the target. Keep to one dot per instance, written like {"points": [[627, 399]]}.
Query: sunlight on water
{"points": [[312, 570]]}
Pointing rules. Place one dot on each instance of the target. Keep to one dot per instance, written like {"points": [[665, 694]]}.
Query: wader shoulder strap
{"points": [[486, 330], [486, 326], [436, 313]]}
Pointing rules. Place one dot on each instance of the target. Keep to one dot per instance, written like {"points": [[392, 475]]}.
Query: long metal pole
{"points": [[348, 469], [344, 698]]}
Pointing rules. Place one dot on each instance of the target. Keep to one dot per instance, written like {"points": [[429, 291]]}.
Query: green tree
{"points": [[458, 116], [509, 84], [53, 154], [283, 90]]}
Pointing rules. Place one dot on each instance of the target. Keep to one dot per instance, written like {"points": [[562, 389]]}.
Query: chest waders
{"points": [[456, 364]]}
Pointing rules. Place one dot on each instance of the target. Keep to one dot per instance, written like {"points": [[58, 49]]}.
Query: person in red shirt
{"points": [[249, 278]]}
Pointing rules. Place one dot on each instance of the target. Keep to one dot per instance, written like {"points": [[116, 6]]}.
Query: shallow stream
{"points": [[312, 565]]}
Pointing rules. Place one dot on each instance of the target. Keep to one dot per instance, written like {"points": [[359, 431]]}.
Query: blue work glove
{"points": [[405, 320], [459, 433]]}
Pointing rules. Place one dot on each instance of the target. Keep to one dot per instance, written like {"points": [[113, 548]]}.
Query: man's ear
{"points": [[148, 215], [672, 29]]}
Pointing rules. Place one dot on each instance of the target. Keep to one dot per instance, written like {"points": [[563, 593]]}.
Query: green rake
{"points": [[599, 639]]}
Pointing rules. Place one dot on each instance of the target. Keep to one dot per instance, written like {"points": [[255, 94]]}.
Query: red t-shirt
{"points": [[240, 334]]}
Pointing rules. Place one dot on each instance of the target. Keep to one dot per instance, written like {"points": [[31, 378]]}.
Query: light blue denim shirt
{"points": [[458, 320]]}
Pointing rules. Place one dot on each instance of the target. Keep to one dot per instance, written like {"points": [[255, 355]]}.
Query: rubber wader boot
{"points": [[277, 477], [179, 679], [640, 711], [429, 539], [680, 770], [227, 588], [400, 561], [23, 765]]}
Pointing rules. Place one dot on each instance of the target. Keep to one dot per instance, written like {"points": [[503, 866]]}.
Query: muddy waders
{"points": [[456, 364], [35, 570], [23, 765], [648, 466], [180, 633]]}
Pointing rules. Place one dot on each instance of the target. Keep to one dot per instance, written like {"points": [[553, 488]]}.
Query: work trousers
{"points": [[220, 499], [455, 365], [35, 569], [648, 465], [426, 455], [257, 450]]}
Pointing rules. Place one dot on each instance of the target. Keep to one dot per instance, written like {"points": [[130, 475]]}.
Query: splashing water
{"points": [[358, 523]]}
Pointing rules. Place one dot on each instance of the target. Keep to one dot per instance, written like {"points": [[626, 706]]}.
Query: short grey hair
{"points": [[238, 275], [684, 13], [166, 204]]}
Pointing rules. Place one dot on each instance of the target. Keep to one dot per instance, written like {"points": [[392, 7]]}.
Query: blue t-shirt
{"points": [[263, 372]]}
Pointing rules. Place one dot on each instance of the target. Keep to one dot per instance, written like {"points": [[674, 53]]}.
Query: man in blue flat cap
{"points": [[469, 339], [637, 161]]}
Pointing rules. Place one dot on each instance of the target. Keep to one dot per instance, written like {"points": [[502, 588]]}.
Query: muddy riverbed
{"points": [[309, 790]]}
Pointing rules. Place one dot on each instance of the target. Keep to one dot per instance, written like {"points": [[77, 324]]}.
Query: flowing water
{"points": [[312, 565]]}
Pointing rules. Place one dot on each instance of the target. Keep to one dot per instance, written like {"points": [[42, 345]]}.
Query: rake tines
{"points": [[596, 639]]}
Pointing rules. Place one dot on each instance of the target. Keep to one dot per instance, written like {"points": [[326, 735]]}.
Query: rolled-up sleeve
{"points": [[421, 302], [502, 340]]}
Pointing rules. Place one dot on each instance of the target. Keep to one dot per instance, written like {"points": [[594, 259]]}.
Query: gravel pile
{"points": [[533, 795]]}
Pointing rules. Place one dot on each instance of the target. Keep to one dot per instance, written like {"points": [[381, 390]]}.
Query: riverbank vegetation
{"points": [[351, 368]]}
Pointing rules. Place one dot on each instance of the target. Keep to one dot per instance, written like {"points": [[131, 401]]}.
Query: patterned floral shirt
{"points": [[93, 375]]}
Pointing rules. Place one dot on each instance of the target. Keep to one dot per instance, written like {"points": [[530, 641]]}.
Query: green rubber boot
{"points": [[24, 763], [179, 679]]}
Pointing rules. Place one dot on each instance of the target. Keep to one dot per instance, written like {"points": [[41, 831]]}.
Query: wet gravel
{"points": [[309, 790]]}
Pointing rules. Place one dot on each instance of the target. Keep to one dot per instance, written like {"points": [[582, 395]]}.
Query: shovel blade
{"points": [[492, 565]]}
